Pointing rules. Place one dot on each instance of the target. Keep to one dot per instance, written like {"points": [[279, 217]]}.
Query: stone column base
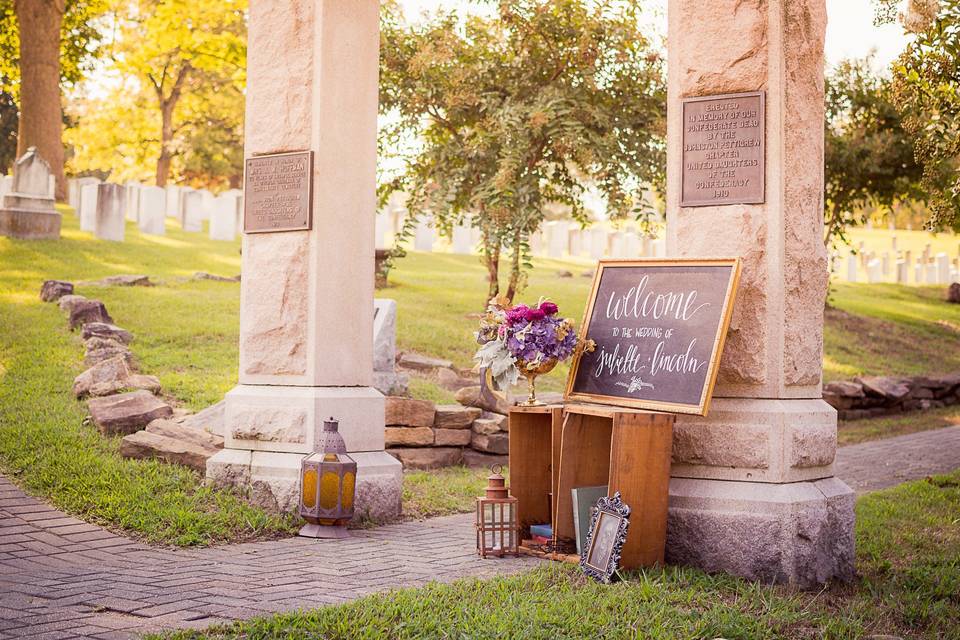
{"points": [[273, 480], [29, 225], [798, 533]]}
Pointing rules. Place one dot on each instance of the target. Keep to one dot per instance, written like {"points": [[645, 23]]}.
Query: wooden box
{"points": [[554, 449]]}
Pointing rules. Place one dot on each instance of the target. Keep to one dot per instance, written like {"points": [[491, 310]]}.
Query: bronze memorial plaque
{"points": [[723, 150], [277, 192]]}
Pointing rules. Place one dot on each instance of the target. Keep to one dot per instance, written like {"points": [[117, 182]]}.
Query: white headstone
{"points": [[81, 183], [461, 239], [851, 268], [874, 271], [73, 193], [31, 175], [598, 243], [88, 207], [385, 377], [109, 222], [932, 276], [903, 269], [659, 248], [152, 207], [885, 263], [918, 273], [556, 237], [423, 236], [172, 201], [574, 242], [893, 242], [943, 268], [618, 245], [633, 247], [206, 207], [52, 186], [223, 218], [192, 211], [380, 229], [133, 200], [536, 243]]}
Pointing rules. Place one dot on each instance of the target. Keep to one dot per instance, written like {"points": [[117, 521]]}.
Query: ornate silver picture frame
{"points": [[608, 532]]}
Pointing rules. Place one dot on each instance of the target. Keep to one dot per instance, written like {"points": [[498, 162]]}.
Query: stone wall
{"points": [[877, 396]]}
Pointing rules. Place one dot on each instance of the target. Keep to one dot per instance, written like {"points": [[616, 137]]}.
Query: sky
{"points": [[850, 28]]}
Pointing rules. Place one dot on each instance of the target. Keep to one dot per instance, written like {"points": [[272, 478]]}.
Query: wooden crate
{"points": [[555, 449]]}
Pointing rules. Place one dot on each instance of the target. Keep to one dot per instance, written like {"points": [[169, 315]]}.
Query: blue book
{"points": [[543, 530], [584, 500]]}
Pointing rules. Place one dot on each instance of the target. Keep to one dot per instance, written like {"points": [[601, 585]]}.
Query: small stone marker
{"points": [[172, 201], [423, 237], [461, 240], [109, 222], [106, 330], [151, 214], [193, 211], [223, 218], [85, 312], [132, 191], [385, 377], [88, 206], [27, 211], [53, 290]]}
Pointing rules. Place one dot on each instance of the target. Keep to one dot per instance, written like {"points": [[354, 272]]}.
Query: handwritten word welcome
{"points": [[637, 302]]}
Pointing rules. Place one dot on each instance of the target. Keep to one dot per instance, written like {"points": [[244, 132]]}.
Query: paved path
{"points": [[63, 578], [883, 463]]}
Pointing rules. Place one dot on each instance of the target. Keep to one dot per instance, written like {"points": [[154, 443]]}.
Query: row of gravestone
{"points": [[557, 239], [104, 208], [900, 266]]}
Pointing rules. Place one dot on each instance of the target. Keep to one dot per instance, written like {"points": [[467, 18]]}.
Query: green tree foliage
{"points": [[868, 156], [183, 64], [492, 119], [926, 90]]}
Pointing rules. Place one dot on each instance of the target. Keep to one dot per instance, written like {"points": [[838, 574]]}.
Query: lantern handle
{"points": [[496, 469]]}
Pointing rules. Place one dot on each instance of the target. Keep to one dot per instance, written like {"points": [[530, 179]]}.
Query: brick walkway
{"points": [[883, 463], [63, 578]]}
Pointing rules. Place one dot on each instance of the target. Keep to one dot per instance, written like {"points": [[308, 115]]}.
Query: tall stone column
{"points": [[306, 318], [753, 491]]}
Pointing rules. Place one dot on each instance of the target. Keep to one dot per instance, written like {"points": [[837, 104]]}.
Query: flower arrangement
{"points": [[525, 340]]}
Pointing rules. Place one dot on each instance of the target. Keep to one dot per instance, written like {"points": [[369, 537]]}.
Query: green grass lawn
{"points": [[908, 561], [187, 335]]}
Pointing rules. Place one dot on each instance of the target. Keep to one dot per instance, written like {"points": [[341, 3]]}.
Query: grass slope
{"points": [[908, 546]]}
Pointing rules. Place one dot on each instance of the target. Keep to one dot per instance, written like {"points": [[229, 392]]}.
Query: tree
{"points": [[868, 156], [491, 119], [185, 51], [926, 91], [44, 43]]}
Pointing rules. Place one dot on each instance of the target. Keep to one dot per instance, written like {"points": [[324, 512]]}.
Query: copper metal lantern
{"points": [[497, 524], [328, 480]]}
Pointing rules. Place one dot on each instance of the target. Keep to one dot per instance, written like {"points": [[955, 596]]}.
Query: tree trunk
{"points": [[513, 285], [41, 116], [491, 258], [167, 106]]}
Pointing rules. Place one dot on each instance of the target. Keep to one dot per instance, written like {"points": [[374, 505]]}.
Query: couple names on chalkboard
{"points": [[659, 327]]}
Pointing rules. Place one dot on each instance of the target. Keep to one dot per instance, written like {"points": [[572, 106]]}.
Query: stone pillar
{"points": [[753, 491], [306, 319]]}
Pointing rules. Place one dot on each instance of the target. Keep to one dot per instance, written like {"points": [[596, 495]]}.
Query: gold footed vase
{"points": [[531, 375]]}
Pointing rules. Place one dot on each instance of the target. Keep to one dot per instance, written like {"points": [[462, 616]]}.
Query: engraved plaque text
{"points": [[723, 150], [277, 192]]}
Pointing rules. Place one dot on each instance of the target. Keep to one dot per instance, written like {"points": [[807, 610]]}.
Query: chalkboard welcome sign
{"points": [[659, 327]]}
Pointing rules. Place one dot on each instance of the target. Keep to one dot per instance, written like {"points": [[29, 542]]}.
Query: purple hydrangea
{"points": [[537, 334]]}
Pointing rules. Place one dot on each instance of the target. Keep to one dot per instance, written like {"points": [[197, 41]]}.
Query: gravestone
{"points": [[109, 222], [223, 218], [206, 204], [423, 237], [172, 201], [943, 268], [81, 183], [192, 211], [152, 215], [574, 242], [385, 377], [132, 197], [903, 269], [88, 206], [557, 238], [874, 271], [598, 243], [27, 211], [6, 185], [752, 490], [461, 239]]}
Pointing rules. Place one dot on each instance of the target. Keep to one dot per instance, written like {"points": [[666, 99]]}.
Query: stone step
{"points": [[127, 412]]}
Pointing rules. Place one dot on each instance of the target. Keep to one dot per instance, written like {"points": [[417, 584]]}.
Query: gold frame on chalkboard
{"points": [[668, 407]]}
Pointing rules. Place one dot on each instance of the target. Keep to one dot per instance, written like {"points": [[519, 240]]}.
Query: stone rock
{"points": [[451, 437], [491, 443], [203, 275], [564, 274], [67, 302], [408, 436], [109, 377], [144, 444], [428, 458], [586, 274], [84, 312], [127, 412], [843, 394], [106, 330], [891, 388], [408, 412], [953, 293], [53, 290], [384, 335], [502, 421], [391, 383], [423, 363], [123, 280], [476, 459], [455, 416], [475, 396], [101, 349], [486, 426], [211, 420], [179, 431], [450, 379]]}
